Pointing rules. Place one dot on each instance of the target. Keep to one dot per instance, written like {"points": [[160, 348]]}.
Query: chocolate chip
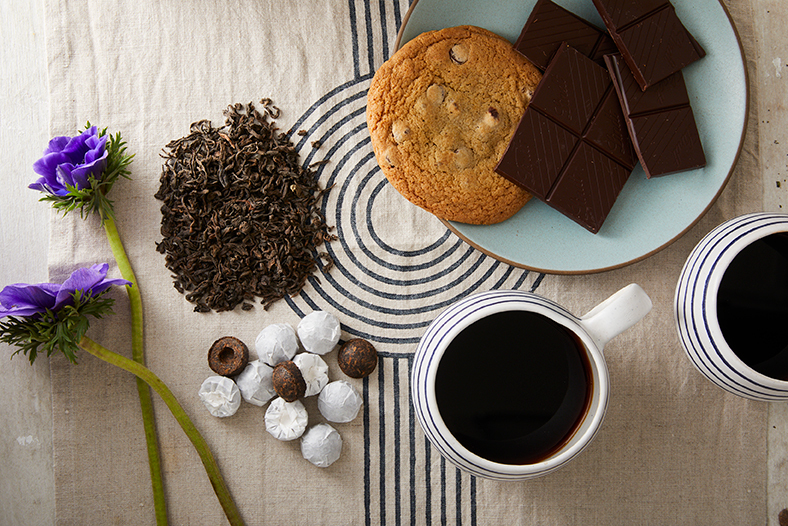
{"points": [[400, 131], [459, 53], [491, 117], [463, 157], [228, 356], [436, 93], [391, 156]]}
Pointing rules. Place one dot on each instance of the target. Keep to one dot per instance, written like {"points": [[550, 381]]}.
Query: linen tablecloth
{"points": [[673, 449]]}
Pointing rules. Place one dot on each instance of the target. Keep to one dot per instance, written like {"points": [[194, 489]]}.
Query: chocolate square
{"points": [[537, 154], [623, 12], [659, 120], [589, 194], [650, 36], [550, 24], [571, 149]]}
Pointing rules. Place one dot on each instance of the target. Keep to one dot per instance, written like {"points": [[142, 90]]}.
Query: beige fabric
{"points": [[673, 450]]}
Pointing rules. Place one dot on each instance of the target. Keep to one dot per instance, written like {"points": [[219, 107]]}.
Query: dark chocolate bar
{"points": [[571, 148], [550, 24], [660, 121], [650, 36]]}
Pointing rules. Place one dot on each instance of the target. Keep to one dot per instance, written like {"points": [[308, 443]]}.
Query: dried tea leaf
{"points": [[240, 214]]}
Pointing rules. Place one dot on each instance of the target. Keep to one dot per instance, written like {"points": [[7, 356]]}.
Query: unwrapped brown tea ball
{"points": [[357, 358], [228, 356], [288, 381]]}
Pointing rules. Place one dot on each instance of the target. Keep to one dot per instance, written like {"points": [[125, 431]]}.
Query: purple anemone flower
{"points": [[70, 161], [23, 300]]}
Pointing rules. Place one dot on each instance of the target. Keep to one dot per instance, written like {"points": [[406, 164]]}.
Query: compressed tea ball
{"points": [[228, 356], [357, 358], [220, 395], [276, 343], [256, 383], [321, 445], [314, 370], [288, 381], [285, 420], [319, 332], [339, 401]]}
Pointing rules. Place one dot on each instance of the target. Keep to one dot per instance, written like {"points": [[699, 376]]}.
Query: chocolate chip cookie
{"points": [[441, 112]]}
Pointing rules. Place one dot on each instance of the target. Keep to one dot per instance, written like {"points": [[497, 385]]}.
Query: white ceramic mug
{"points": [[695, 306], [594, 330]]}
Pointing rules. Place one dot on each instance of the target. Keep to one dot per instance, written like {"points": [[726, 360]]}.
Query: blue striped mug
{"points": [[696, 306], [589, 333]]}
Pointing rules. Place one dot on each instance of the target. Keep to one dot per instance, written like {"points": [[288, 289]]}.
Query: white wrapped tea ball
{"points": [[220, 395], [314, 370], [321, 445], [286, 420], [255, 383], [319, 332], [276, 343], [339, 401]]}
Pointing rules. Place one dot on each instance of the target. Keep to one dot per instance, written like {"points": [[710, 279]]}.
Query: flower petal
{"points": [[25, 300], [76, 148], [20, 312], [81, 279], [97, 143], [91, 280], [47, 164], [64, 179], [96, 154], [107, 283], [79, 176], [57, 144], [93, 168], [42, 185], [71, 161]]}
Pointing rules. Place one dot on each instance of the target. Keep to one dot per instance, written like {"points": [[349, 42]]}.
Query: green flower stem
{"points": [[144, 374], [138, 355]]}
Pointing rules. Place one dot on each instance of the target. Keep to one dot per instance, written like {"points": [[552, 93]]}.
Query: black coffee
{"points": [[752, 305], [513, 387]]}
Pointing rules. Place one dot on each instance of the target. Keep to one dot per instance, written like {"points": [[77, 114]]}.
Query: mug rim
{"points": [[712, 284], [597, 405]]}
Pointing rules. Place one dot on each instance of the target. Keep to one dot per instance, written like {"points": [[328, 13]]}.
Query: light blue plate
{"points": [[649, 213]]}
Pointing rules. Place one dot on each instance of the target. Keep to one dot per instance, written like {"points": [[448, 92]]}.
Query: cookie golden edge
{"points": [[504, 75]]}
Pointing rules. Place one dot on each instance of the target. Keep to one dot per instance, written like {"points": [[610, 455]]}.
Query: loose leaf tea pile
{"points": [[240, 215]]}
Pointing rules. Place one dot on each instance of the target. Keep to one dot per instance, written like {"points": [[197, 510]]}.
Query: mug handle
{"points": [[616, 314]]}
